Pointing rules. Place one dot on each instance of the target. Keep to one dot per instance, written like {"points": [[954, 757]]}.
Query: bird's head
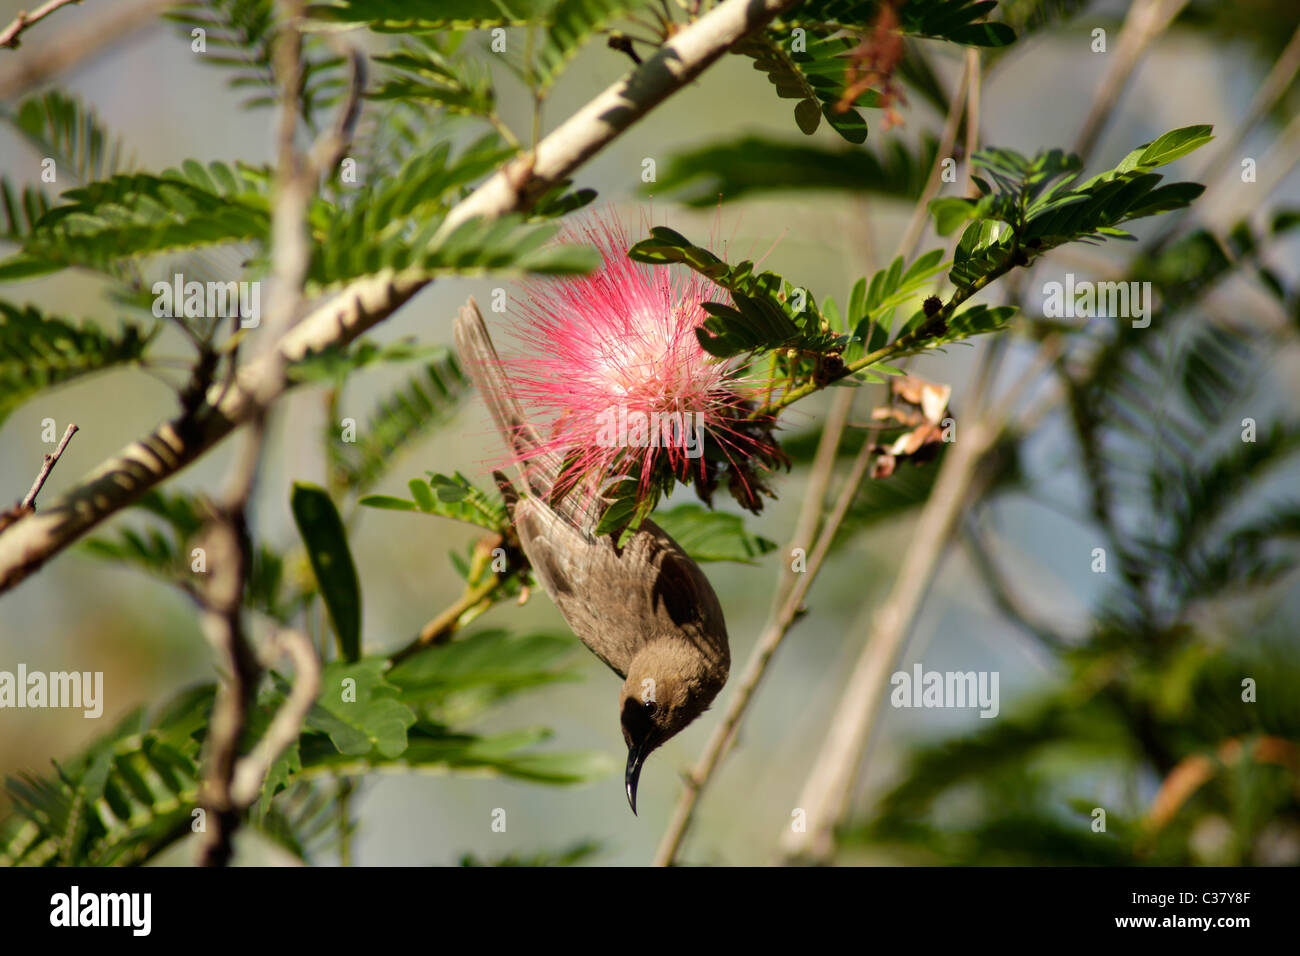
{"points": [[668, 685]]}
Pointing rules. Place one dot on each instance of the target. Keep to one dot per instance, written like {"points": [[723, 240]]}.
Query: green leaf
{"points": [[950, 212], [570, 855], [125, 216], [21, 211], [335, 363], [872, 306], [570, 23], [424, 402], [561, 201], [240, 36], [402, 16], [734, 168], [1031, 206], [38, 351], [957, 21], [117, 802], [629, 505], [61, 128], [358, 709], [388, 503], [166, 553], [1172, 145], [559, 768], [454, 682], [326, 541], [431, 746], [396, 230], [426, 71], [455, 497], [813, 76], [982, 252], [712, 535]]}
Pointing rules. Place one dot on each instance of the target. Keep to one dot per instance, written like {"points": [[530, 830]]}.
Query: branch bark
{"points": [[29, 501], [83, 38], [31, 541], [9, 35], [231, 783]]}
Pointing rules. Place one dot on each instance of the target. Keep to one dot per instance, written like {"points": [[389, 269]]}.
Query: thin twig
{"points": [[819, 479], [947, 139], [1280, 159], [250, 771], [330, 149], [87, 36], [24, 20], [226, 543], [29, 501], [1218, 211], [445, 624]]}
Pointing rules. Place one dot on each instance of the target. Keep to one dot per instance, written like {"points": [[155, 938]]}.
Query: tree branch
{"points": [[85, 37], [1274, 86], [444, 625], [231, 783], [9, 35], [31, 541], [250, 771], [819, 479], [48, 466], [221, 596]]}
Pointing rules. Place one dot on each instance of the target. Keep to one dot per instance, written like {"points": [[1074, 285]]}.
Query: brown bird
{"points": [[645, 609]]}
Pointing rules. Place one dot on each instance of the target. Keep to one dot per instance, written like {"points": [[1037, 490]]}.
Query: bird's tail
{"points": [[537, 468]]}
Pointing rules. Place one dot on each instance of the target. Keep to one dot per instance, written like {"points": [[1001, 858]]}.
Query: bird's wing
{"points": [[616, 598], [580, 573]]}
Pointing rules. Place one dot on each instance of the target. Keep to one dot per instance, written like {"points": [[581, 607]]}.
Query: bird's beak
{"points": [[636, 755]]}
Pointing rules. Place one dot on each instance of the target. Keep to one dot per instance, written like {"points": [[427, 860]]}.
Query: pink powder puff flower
{"points": [[614, 377]]}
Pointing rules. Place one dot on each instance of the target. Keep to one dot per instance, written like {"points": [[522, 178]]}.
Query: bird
{"points": [[643, 607]]}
